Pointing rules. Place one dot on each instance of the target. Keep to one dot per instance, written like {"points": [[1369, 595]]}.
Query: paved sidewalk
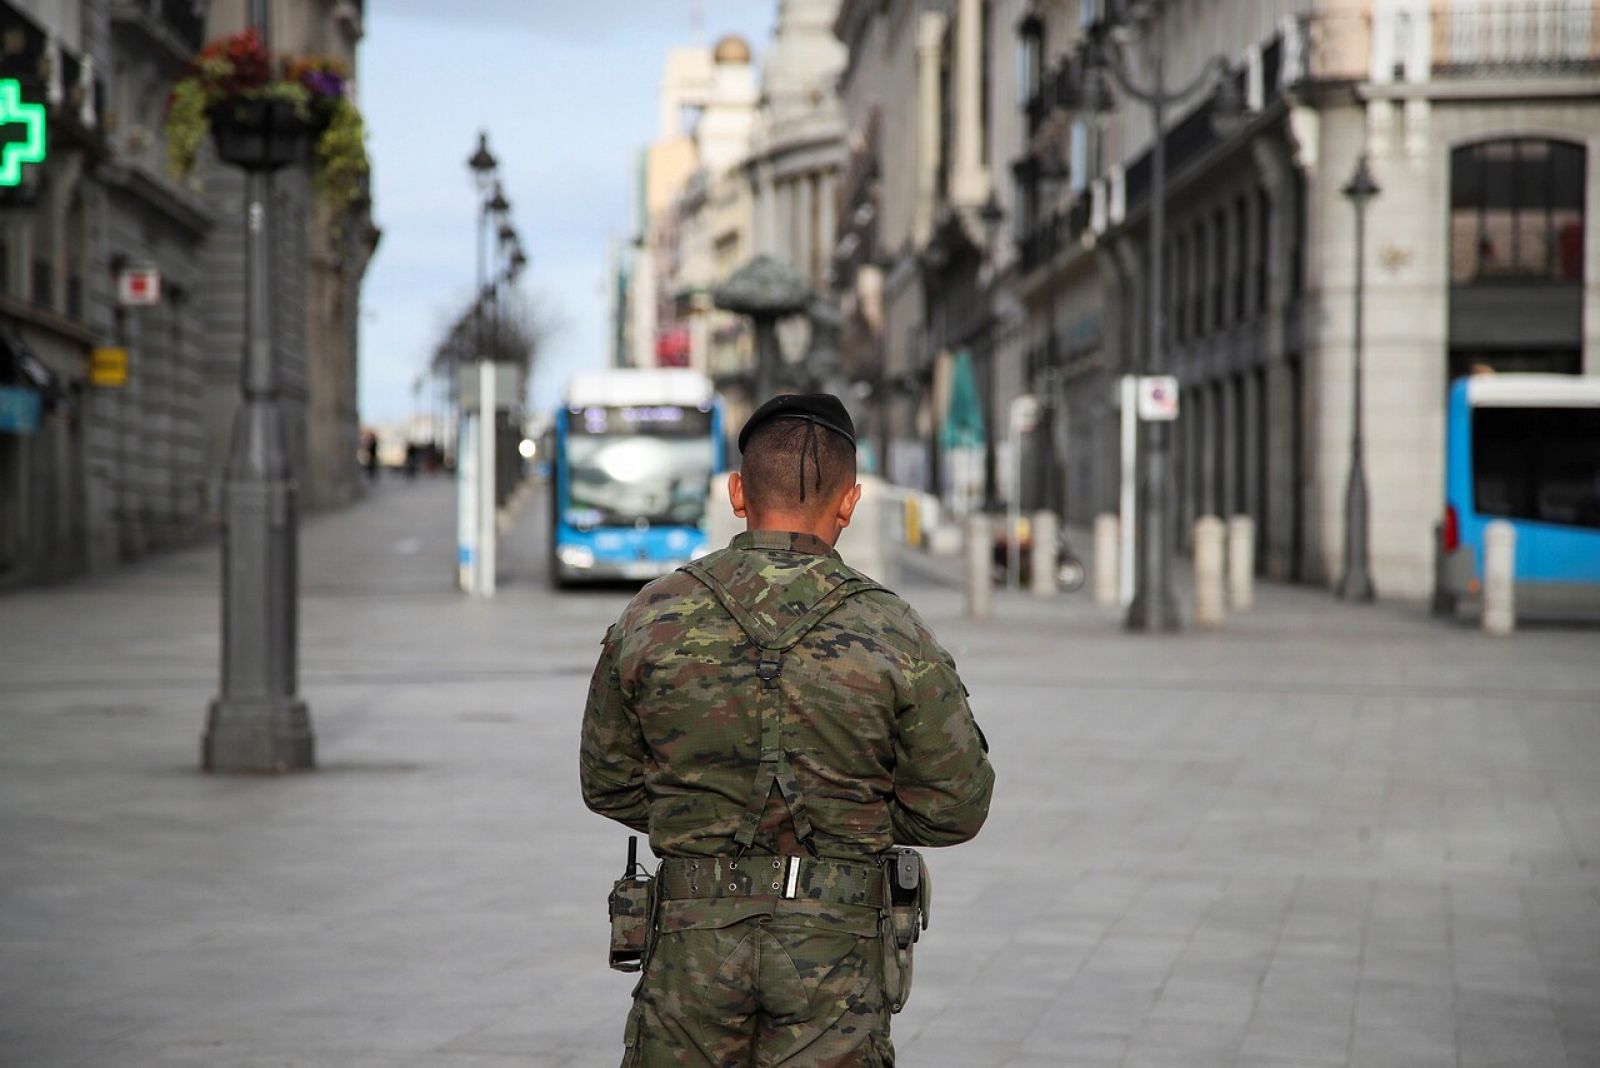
{"points": [[1327, 835]]}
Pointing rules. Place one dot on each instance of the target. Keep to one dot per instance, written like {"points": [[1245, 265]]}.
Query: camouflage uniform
{"points": [[869, 743]]}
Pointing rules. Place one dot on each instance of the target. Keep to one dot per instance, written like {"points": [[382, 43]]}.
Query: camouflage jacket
{"points": [[876, 737]]}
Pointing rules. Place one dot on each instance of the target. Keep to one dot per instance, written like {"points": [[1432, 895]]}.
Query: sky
{"points": [[567, 91]]}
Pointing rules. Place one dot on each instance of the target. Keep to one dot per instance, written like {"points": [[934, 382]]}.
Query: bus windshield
{"points": [[627, 466], [1541, 464]]}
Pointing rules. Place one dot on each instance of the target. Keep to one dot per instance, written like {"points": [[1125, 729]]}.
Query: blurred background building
{"points": [[990, 220], [101, 249]]}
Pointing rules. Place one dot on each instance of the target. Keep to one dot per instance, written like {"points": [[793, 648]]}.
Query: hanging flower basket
{"points": [[264, 116], [262, 135]]}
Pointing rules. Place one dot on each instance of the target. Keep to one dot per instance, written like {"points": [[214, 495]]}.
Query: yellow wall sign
{"points": [[108, 367]]}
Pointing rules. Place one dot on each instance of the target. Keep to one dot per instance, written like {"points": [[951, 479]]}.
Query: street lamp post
{"points": [[1356, 582], [1154, 606], [258, 723]]}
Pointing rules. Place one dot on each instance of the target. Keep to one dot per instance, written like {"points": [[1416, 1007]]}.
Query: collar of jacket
{"points": [[783, 541]]}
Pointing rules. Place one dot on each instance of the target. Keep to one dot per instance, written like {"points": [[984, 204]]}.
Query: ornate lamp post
{"points": [[259, 723], [1154, 606], [1356, 582]]}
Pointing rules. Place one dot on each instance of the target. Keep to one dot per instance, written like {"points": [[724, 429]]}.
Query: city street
{"points": [[1325, 835]]}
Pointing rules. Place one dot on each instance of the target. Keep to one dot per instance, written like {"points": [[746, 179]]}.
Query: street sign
{"points": [[138, 287], [1158, 398], [108, 368], [19, 410], [31, 146]]}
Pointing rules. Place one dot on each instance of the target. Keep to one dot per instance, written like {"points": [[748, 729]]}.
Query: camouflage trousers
{"points": [[758, 983]]}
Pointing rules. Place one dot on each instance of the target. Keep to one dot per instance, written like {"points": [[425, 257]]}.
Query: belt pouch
{"points": [[632, 907], [905, 917]]}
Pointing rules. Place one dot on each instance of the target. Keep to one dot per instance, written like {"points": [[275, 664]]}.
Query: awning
{"points": [[21, 368]]}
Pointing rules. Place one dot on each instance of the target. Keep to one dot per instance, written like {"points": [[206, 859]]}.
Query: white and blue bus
{"points": [[1524, 448], [633, 456]]}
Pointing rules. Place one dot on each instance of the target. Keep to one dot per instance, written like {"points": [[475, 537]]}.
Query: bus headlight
{"points": [[578, 557]]}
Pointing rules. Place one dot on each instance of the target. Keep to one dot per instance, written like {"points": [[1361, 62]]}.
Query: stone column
{"points": [[969, 182]]}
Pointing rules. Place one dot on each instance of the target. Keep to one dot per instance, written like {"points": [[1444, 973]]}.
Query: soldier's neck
{"points": [[787, 523]]}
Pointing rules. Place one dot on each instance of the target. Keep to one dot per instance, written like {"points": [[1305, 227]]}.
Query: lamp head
{"points": [[482, 162], [498, 204], [992, 215], [1227, 107], [1362, 187]]}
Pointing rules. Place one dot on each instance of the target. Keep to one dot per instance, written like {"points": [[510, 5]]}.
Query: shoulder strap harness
{"points": [[774, 767]]}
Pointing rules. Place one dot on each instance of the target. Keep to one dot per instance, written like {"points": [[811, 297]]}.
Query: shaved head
{"points": [[793, 466]]}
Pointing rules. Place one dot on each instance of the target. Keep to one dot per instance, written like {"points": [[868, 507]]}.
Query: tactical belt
{"points": [[838, 882]]}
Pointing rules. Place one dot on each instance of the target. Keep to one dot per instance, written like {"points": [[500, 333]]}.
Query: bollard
{"points": [[980, 567], [1241, 563], [1107, 583], [1499, 578], [1210, 607], [913, 520], [1043, 559]]}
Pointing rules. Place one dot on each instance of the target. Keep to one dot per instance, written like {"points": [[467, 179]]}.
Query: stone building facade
{"points": [[1480, 125], [112, 473], [756, 174]]}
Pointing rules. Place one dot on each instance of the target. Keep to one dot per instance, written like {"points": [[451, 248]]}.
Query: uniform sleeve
{"points": [[943, 780], [612, 754]]}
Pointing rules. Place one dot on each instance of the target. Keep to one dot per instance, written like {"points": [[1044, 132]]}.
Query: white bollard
{"points": [[1210, 606], [1107, 585], [1499, 577], [1043, 558], [1241, 563], [980, 567]]}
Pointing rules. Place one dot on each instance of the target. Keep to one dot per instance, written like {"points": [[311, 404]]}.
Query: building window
{"points": [[1241, 247], [1219, 246], [1197, 284], [1516, 211], [1180, 289], [1263, 249]]}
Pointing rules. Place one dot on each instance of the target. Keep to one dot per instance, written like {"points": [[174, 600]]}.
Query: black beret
{"points": [[823, 409]]}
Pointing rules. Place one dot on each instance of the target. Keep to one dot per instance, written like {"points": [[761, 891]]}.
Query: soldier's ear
{"points": [[847, 505], [736, 494]]}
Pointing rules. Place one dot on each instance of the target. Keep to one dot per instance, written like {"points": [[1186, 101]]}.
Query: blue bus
{"points": [[1524, 448], [633, 454]]}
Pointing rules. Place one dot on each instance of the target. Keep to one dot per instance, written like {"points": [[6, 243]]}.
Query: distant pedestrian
{"points": [[781, 726], [369, 455], [413, 459]]}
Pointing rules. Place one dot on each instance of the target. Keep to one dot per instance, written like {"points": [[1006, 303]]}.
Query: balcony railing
{"points": [[1537, 38], [1504, 39], [1053, 233]]}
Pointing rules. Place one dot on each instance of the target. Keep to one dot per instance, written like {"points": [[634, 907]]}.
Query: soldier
{"points": [[778, 723]]}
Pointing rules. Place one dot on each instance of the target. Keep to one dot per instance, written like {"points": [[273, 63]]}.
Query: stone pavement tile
{"points": [[1165, 1042], [1207, 1002], [1291, 1038], [1074, 1040], [1487, 1042]]}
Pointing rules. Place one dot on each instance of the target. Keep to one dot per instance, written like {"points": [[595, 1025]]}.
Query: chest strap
{"points": [[774, 767]]}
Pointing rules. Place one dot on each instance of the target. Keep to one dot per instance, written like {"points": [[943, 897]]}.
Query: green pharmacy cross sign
{"points": [[31, 149]]}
